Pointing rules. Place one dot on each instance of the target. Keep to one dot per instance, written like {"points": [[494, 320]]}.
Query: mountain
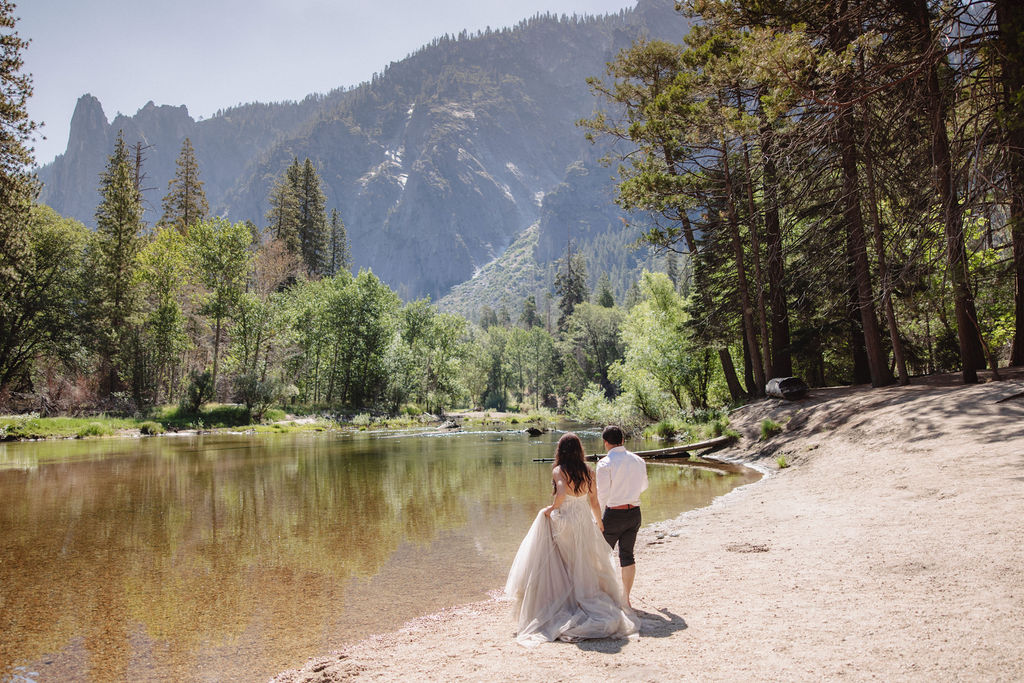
{"points": [[436, 165]]}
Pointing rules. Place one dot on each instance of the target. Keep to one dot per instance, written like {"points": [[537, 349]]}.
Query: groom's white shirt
{"points": [[621, 478]]}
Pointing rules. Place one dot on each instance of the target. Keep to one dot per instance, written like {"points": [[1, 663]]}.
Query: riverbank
{"points": [[890, 548], [232, 418]]}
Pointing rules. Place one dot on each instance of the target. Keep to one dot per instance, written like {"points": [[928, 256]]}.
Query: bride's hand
{"points": [[600, 526], [548, 510]]}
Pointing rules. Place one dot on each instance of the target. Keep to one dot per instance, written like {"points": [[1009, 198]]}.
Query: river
{"points": [[232, 557]]}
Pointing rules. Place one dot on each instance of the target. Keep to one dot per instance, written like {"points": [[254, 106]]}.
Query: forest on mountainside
{"points": [[836, 190]]}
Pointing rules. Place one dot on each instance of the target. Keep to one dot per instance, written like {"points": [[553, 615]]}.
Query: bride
{"points": [[563, 581]]}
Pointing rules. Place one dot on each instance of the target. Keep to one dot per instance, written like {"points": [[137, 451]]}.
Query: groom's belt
{"points": [[627, 506]]}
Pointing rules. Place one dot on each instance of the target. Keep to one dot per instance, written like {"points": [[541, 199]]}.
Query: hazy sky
{"points": [[213, 54]]}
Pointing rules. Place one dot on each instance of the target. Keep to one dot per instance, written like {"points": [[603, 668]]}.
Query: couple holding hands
{"points": [[563, 578]]}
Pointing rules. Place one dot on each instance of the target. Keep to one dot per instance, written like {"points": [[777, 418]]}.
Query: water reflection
{"points": [[235, 557]]}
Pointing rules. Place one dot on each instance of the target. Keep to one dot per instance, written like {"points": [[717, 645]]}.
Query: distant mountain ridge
{"points": [[436, 165]]}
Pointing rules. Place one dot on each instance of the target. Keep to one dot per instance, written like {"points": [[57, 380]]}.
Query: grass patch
{"points": [[151, 428], [781, 462], [769, 428], [31, 426], [211, 416], [93, 429]]}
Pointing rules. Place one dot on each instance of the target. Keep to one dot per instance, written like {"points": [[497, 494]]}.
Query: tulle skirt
{"points": [[564, 583]]}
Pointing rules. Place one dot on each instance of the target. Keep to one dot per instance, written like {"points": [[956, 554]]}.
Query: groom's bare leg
{"points": [[628, 574]]}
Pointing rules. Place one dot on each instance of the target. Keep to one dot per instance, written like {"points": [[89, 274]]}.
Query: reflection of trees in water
{"points": [[219, 544], [199, 546]]}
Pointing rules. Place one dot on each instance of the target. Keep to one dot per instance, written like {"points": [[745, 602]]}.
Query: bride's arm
{"points": [[559, 479], [595, 507]]}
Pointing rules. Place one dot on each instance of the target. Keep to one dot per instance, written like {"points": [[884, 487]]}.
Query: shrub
{"points": [[593, 408], [199, 391], [94, 429], [274, 415], [769, 428], [665, 429], [781, 462], [257, 394], [411, 409], [151, 428], [362, 420]]}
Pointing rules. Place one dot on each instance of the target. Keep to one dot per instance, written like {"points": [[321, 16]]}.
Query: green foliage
{"points": [[769, 428], [18, 186], [339, 249], [114, 249], [781, 462], [257, 393], [220, 256], [199, 391], [40, 296], [94, 429], [185, 202], [590, 345], [592, 407], [151, 428], [32, 426], [660, 350]]}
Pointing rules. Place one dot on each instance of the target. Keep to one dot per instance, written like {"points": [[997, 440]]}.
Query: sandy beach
{"points": [[891, 548]]}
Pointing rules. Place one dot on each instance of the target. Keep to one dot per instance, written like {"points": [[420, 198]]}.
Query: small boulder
{"points": [[789, 388]]}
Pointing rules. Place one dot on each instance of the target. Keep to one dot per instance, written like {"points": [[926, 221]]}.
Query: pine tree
{"points": [[185, 202], [529, 318], [313, 234], [118, 223], [283, 215], [605, 297], [341, 252], [571, 285], [18, 186]]}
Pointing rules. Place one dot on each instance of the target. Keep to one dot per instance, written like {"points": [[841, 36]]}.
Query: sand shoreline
{"points": [[891, 548]]}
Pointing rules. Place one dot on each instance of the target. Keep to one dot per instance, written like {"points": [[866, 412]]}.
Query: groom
{"points": [[621, 478]]}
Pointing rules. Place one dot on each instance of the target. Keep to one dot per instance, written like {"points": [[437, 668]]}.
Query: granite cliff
{"points": [[437, 165]]}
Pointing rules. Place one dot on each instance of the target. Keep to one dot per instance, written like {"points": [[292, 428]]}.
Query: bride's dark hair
{"points": [[570, 457]]}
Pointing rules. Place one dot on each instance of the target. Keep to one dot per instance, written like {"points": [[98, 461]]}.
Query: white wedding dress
{"points": [[564, 582]]}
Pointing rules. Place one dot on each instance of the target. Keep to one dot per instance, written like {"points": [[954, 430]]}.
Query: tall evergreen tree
{"points": [[605, 297], [529, 318], [571, 286], [313, 234], [17, 184], [340, 250], [185, 202], [283, 216], [117, 243]]}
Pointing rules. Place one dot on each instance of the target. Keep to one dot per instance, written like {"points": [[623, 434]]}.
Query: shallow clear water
{"points": [[234, 557]]}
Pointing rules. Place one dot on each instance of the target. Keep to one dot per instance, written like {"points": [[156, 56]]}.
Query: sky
{"points": [[214, 54]]}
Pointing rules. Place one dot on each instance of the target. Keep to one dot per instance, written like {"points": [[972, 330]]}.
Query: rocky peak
{"points": [[88, 121]]}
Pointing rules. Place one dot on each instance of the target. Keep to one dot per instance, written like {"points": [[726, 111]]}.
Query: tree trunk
{"points": [[782, 360], [1010, 47], [755, 245], [857, 245], [216, 353], [748, 318], [736, 392], [883, 267], [969, 335], [748, 374]]}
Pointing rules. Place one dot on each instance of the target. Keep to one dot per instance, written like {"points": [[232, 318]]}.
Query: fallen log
{"points": [[673, 452]]}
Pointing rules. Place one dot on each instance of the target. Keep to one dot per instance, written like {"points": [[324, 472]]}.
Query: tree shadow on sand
{"points": [[660, 624]]}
